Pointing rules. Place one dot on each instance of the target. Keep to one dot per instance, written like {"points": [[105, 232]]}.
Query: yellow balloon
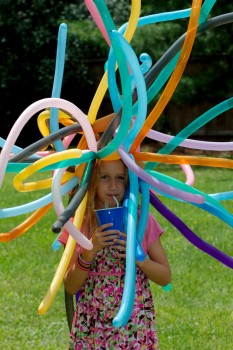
{"points": [[43, 117], [175, 77], [64, 263], [41, 163]]}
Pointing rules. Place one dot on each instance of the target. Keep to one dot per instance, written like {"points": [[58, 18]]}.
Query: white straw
{"points": [[117, 203]]}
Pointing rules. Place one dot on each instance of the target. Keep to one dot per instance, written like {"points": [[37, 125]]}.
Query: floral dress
{"points": [[99, 302]]}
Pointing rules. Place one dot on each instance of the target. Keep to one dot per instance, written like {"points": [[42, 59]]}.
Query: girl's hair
{"points": [[90, 216], [91, 222]]}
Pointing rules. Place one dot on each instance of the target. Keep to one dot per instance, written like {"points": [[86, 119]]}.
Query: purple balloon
{"points": [[190, 143], [190, 235]]}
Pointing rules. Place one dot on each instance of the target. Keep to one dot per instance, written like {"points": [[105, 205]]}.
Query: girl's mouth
{"points": [[112, 200], [112, 195]]}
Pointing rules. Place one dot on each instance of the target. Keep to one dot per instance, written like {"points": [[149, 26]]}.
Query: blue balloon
{"points": [[17, 149], [144, 210], [39, 203], [146, 62], [159, 17], [112, 84], [140, 255], [57, 83], [56, 244], [141, 88], [127, 303], [222, 196]]}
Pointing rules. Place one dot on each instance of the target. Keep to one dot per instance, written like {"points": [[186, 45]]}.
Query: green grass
{"points": [[28, 265], [196, 314]]}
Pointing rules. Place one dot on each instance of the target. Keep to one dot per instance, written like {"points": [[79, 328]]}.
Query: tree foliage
{"points": [[29, 40]]}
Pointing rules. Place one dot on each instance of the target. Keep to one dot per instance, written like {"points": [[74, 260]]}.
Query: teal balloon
{"points": [[167, 288], [192, 127], [126, 100]]}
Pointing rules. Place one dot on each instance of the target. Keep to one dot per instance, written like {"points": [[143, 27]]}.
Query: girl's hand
{"points": [[100, 239], [120, 245]]}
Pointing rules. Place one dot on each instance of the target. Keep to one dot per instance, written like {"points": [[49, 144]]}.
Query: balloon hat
{"points": [[122, 133]]}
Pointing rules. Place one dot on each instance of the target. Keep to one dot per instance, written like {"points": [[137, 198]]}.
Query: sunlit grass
{"points": [[196, 314]]}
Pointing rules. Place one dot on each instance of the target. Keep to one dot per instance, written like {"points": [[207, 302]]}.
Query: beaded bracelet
{"points": [[84, 261], [82, 267]]}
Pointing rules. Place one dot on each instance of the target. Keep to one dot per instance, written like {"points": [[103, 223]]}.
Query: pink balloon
{"points": [[59, 208], [97, 18], [188, 173], [67, 140], [44, 153], [36, 107]]}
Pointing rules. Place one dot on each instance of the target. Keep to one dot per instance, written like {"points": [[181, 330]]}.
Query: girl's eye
{"points": [[118, 178], [121, 178], [103, 177]]}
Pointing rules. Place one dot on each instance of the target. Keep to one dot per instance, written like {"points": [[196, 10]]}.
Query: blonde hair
{"points": [[90, 216], [90, 220]]}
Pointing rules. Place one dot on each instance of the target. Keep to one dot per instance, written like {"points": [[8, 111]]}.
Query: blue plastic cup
{"points": [[111, 215]]}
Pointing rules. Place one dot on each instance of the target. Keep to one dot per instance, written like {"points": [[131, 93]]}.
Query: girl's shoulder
{"points": [[152, 232], [152, 224]]}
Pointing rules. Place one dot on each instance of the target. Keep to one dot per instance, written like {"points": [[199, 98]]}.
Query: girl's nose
{"points": [[112, 183]]}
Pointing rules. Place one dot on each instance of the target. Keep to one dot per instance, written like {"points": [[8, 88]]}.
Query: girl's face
{"points": [[111, 182]]}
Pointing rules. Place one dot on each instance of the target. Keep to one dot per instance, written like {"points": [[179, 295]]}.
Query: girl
{"points": [[98, 274]]}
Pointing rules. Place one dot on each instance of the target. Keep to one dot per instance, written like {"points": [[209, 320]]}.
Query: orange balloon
{"points": [[175, 77], [26, 225], [79, 170], [113, 156], [191, 160], [101, 124], [82, 143]]}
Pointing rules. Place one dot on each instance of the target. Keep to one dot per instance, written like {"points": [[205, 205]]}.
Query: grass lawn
{"points": [[196, 314]]}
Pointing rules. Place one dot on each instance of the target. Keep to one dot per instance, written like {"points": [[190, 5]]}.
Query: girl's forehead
{"points": [[113, 166]]}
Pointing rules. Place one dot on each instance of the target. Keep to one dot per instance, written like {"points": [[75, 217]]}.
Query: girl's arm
{"points": [[75, 276], [156, 267]]}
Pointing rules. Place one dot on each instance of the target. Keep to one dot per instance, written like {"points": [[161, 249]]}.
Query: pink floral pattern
{"points": [[99, 301]]}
